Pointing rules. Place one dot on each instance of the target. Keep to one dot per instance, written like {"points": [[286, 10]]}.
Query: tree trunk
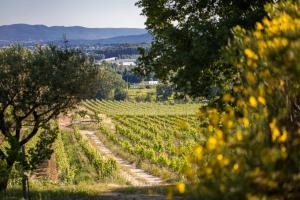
{"points": [[24, 178], [5, 177]]}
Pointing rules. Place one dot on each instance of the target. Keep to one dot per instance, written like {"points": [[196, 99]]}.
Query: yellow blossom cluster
{"points": [[253, 142]]}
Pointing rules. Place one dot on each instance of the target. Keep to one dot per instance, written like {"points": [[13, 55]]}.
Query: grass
{"points": [[82, 191], [50, 191]]}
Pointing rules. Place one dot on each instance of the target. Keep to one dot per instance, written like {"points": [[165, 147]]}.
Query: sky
{"points": [[87, 13]]}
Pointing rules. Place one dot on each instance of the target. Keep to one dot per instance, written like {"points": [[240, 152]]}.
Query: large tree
{"points": [[35, 87], [110, 85], [188, 36]]}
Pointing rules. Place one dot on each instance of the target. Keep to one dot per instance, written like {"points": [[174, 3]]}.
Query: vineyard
{"points": [[78, 161], [63, 137], [113, 108], [157, 137]]}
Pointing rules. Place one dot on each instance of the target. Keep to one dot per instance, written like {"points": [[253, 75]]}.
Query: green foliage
{"points": [[122, 51], [104, 167], [110, 85], [253, 148], [164, 92], [140, 108], [142, 95], [42, 149], [120, 94], [35, 87], [65, 170], [188, 36], [152, 134]]}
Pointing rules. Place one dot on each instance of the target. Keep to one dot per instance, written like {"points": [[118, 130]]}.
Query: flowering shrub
{"points": [[253, 144]]}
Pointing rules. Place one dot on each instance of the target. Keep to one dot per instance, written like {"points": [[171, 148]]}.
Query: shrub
{"points": [[252, 150]]}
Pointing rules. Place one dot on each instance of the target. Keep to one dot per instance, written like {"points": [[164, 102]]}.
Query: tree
{"points": [[130, 77], [110, 85], [188, 36], [164, 92], [35, 87]]}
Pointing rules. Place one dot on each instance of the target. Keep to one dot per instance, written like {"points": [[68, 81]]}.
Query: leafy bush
{"points": [[252, 147]]}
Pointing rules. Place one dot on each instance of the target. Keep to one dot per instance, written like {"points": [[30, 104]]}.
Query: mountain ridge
{"points": [[31, 33]]}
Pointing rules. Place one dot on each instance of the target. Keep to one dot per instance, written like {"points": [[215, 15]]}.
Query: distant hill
{"points": [[42, 33], [130, 39], [144, 38]]}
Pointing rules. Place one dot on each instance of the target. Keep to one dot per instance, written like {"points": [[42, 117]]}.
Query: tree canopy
{"points": [[110, 85], [35, 87], [188, 36]]}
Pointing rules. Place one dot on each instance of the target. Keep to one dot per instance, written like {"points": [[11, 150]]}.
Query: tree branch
{"points": [[34, 130], [55, 111], [3, 127]]}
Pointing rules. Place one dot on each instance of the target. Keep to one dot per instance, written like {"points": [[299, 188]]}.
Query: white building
{"points": [[128, 63], [151, 82]]}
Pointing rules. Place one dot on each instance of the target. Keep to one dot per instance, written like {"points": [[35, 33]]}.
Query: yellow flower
{"points": [[266, 22], [230, 124], [228, 97], [198, 152], [246, 122], [262, 45], [239, 136], [284, 136], [219, 133], [235, 167], [257, 34], [219, 157], [273, 124], [259, 26], [212, 143], [180, 187], [253, 101], [225, 161], [250, 54], [274, 130], [275, 134], [262, 100]]}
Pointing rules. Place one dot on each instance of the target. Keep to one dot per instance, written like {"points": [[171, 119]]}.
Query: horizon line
{"points": [[70, 26]]}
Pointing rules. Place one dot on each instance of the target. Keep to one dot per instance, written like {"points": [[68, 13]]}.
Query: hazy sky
{"points": [[88, 13]]}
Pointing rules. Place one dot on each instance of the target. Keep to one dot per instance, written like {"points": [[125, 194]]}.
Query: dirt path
{"points": [[135, 176]]}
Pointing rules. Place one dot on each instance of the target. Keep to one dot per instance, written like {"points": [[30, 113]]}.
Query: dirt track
{"points": [[135, 176]]}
